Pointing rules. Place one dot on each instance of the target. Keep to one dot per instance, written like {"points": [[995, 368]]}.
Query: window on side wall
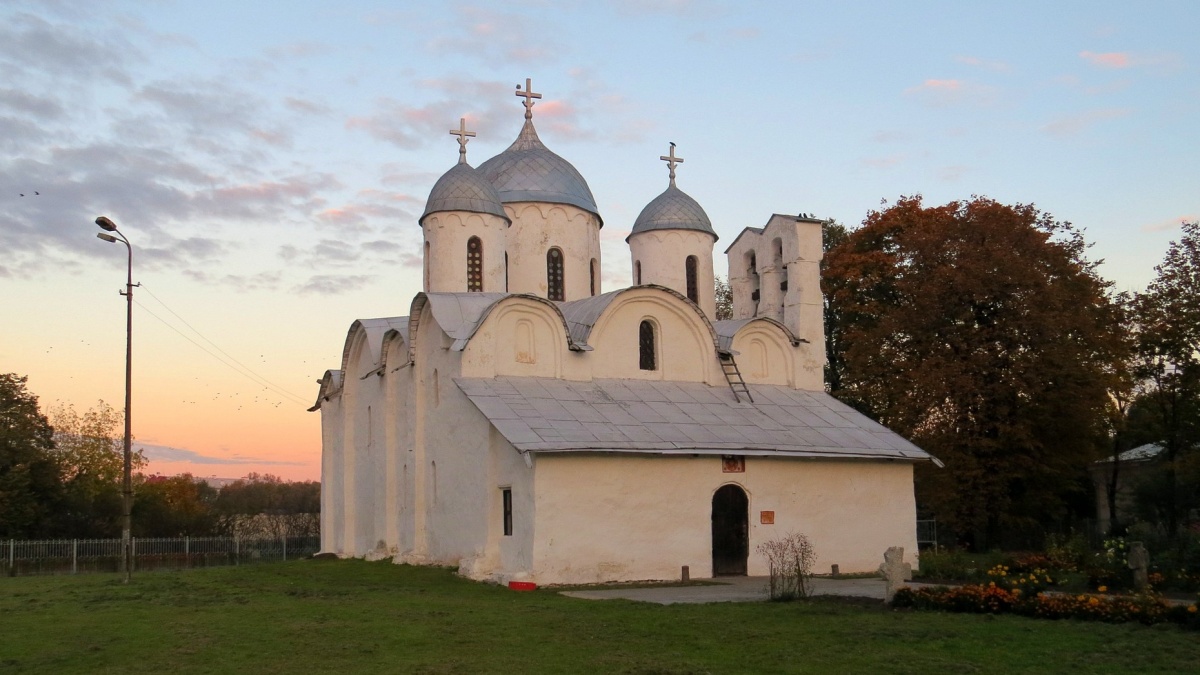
{"points": [[646, 350], [554, 274], [506, 495]]}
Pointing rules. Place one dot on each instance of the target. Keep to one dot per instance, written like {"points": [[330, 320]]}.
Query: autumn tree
{"points": [[30, 485], [982, 332], [1167, 363]]}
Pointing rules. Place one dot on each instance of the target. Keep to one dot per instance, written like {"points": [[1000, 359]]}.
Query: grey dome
{"points": [[528, 172], [463, 189], [673, 210]]}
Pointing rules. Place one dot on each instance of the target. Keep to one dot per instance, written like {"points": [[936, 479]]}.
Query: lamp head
{"points": [[106, 224], [106, 237]]}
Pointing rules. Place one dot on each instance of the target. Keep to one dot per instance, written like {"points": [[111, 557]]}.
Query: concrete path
{"points": [[732, 589]]}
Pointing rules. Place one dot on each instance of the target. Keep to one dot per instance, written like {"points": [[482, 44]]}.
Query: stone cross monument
{"points": [[894, 572]]}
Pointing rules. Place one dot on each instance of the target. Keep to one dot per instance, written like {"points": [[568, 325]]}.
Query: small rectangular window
{"points": [[507, 495]]}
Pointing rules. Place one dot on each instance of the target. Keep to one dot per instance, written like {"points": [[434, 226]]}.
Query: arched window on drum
{"points": [[474, 265], [554, 274]]}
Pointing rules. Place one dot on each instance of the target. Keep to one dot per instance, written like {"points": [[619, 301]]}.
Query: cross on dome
{"points": [[671, 161], [464, 137], [528, 95]]}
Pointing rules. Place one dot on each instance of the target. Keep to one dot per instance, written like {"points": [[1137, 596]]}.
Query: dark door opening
{"points": [[730, 531]]}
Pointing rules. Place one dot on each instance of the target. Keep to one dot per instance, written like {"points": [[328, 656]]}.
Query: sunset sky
{"points": [[269, 161]]}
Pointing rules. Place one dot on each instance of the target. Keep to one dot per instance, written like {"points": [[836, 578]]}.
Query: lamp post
{"points": [[127, 483]]}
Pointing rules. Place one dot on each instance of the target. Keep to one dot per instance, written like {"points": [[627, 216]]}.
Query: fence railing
{"points": [[927, 533], [76, 556]]}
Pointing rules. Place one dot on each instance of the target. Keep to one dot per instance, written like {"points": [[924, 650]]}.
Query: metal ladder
{"points": [[734, 377]]}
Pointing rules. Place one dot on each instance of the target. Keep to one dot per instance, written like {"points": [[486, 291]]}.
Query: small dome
{"points": [[528, 172], [463, 189], [673, 210]]}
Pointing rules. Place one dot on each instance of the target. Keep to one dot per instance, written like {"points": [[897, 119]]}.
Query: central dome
{"points": [[529, 172]]}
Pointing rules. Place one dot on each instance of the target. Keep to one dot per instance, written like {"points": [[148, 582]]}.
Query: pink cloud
{"points": [[1106, 59], [938, 93], [1170, 223]]}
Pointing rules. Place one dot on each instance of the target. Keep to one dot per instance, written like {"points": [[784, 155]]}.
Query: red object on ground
{"points": [[522, 585]]}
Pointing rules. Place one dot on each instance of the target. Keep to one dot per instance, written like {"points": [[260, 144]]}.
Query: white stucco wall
{"points": [[663, 254], [536, 228], [615, 517], [447, 233]]}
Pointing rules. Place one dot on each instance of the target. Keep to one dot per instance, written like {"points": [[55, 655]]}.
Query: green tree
{"points": [[724, 298], [174, 506], [266, 505], [30, 479], [833, 234], [982, 332], [1167, 316], [89, 449]]}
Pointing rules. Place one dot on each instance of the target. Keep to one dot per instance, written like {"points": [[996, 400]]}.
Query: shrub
{"points": [[956, 565], [790, 560], [1147, 608]]}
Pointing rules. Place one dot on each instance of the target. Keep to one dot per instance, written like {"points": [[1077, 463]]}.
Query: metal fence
{"points": [[927, 533], [75, 556]]}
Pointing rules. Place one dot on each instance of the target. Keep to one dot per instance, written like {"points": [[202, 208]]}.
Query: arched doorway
{"points": [[730, 531]]}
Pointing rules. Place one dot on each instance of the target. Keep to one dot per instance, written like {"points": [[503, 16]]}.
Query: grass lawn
{"points": [[353, 616]]}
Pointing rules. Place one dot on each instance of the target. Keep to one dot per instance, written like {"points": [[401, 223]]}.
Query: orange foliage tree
{"points": [[982, 332]]}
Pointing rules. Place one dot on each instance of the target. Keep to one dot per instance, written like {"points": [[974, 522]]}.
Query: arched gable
{"points": [[583, 315], [330, 386], [372, 331], [765, 348], [685, 341], [461, 314]]}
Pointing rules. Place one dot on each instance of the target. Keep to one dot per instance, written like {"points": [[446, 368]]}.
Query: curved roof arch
{"points": [[331, 384], [374, 329], [461, 314], [582, 315], [727, 330]]}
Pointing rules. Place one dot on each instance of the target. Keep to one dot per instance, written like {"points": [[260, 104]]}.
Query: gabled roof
{"points": [[375, 330], [728, 329], [645, 416], [461, 314]]}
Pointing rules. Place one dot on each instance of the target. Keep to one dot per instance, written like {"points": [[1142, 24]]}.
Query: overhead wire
{"points": [[236, 366]]}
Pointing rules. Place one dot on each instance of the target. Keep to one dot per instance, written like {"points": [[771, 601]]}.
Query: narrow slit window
{"points": [[474, 265], [646, 351], [506, 494], [554, 274], [637, 273], [693, 291], [595, 270]]}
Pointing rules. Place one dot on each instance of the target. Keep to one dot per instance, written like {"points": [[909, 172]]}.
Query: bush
{"points": [[992, 598], [790, 561], [956, 565]]}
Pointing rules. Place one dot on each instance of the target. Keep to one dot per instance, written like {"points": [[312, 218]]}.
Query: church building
{"points": [[524, 425]]}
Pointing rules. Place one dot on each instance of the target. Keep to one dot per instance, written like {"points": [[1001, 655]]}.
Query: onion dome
{"points": [[674, 209], [529, 172], [463, 188]]}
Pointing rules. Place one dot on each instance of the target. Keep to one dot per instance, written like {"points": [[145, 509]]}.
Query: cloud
{"points": [[951, 173], [1106, 59], [497, 37], [976, 62], [305, 106], [1074, 124], [951, 92], [31, 44], [1170, 223], [331, 284], [881, 162], [169, 454]]}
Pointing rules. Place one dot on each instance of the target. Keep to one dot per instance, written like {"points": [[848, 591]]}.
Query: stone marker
{"points": [[1139, 562], [894, 572], [685, 573]]}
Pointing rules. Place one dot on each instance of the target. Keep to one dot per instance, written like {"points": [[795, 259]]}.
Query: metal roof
{"points": [[463, 189], [646, 416], [529, 172], [581, 315], [674, 209], [727, 329]]}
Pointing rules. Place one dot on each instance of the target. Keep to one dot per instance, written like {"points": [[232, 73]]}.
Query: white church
{"points": [[523, 425]]}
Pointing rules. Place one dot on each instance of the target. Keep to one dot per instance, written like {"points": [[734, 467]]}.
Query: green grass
{"points": [[353, 616]]}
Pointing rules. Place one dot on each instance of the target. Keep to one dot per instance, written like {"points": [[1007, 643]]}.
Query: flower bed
{"points": [[997, 599]]}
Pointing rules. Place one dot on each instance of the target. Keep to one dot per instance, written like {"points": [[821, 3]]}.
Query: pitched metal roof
{"points": [[529, 172], [581, 315], [674, 209], [643, 416], [463, 189]]}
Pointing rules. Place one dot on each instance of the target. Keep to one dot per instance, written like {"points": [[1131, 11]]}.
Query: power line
{"points": [[240, 368]]}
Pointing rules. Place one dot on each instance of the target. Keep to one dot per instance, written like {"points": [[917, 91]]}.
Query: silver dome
{"points": [[463, 189], [673, 210], [529, 172]]}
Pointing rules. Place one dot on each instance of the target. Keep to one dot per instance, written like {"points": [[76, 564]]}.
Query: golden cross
{"points": [[463, 136], [528, 95]]}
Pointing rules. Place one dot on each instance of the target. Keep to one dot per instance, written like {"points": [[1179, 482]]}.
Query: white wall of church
{"points": [[446, 236], [662, 257], [787, 252], [614, 517], [684, 344], [536, 228], [333, 516]]}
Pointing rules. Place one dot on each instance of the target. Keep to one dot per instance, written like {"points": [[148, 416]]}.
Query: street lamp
{"points": [[127, 485]]}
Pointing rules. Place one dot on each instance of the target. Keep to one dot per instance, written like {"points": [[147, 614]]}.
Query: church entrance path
{"points": [[731, 589]]}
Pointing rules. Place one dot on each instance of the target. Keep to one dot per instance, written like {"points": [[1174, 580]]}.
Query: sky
{"points": [[269, 161]]}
